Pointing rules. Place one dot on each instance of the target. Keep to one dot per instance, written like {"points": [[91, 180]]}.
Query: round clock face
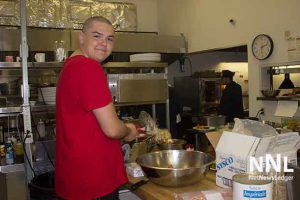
{"points": [[262, 46]]}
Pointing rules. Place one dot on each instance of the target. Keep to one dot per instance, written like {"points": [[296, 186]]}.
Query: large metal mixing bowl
{"points": [[175, 167]]}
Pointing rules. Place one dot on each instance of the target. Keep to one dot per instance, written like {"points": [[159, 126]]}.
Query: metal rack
{"points": [[31, 65]]}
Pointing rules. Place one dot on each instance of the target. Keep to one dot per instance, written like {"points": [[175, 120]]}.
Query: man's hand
{"points": [[132, 132]]}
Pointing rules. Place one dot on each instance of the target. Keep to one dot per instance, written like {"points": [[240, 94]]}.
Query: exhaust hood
{"points": [[134, 42]]}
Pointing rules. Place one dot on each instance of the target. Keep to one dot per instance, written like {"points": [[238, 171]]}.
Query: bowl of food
{"points": [[270, 93], [175, 167], [171, 144]]}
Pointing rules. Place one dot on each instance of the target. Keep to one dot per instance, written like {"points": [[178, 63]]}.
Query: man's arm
{"points": [[112, 126]]}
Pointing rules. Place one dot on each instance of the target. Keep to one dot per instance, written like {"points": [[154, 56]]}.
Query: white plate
{"points": [[145, 57]]}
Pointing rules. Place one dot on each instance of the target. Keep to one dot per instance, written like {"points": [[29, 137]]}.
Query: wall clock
{"points": [[262, 47]]}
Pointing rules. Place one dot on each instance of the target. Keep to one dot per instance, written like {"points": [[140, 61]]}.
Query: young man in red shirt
{"points": [[89, 162]]}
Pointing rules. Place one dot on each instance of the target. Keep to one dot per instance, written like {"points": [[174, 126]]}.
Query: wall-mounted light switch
{"points": [[287, 34]]}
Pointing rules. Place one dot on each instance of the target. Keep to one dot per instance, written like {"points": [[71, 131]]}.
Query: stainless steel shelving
{"points": [[31, 65], [45, 65], [5, 111], [135, 65]]}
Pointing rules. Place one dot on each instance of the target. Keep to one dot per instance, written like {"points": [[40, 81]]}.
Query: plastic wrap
{"points": [[9, 12], [79, 11], [47, 13], [253, 128]]}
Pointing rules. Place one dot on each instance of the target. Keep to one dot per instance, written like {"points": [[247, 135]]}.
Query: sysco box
{"points": [[234, 150]]}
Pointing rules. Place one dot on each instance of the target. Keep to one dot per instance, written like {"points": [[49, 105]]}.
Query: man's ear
{"points": [[81, 37]]}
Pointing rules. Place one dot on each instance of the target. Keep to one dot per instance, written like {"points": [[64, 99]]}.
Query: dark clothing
{"points": [[231, 104]]}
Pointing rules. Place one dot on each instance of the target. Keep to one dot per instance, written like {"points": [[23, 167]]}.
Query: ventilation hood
{"points": [[41, 39]]}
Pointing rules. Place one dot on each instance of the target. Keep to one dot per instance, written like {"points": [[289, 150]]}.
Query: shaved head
{"points": [[89, 22]]}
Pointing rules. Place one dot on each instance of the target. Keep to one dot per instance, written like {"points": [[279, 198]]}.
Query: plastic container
{"points": [[19, 152], [9, 153], [41, 129], [42, 186]]}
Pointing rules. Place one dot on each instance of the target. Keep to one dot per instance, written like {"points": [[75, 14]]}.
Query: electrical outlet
{"points": [[262, 111]]}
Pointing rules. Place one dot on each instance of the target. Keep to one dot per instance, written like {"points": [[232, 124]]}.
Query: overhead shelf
{"points": [[135, 65], [45, 65], [281, 64], [277, 71], [285, 98], [31, 65], [18, 109]]}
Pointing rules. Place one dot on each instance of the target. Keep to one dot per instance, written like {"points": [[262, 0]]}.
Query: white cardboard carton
{"points": [[233, 151], [134, 169]]}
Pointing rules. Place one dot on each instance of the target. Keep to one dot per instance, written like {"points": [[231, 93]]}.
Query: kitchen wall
{"points": [[206, 25]]}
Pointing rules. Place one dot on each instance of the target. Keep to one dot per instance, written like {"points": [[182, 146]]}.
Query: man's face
{"points": [[97, 41], [225, 80]]}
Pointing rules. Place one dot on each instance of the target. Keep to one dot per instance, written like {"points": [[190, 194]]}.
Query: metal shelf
{"points": [[31, 65], [138, 103], [43, 65], [283, 71], [135, 65], [287, 98], [281, 64], [18, 109]]}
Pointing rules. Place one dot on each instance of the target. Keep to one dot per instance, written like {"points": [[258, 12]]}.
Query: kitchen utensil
{"points": [[175, 167], [137, 185], [270, 93]]}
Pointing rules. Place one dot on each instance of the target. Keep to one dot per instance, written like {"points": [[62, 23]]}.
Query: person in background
{"points": [[231, 104], [89, 162]]}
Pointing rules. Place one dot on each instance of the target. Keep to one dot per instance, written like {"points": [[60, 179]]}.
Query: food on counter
{"points": [[293, 124], [167, 141], [296, 90], [163, 134], [201, 127]]}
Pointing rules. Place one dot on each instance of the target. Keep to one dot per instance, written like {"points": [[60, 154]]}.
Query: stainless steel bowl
{"points": [[171, 144], [175, 167], [270, 93]]}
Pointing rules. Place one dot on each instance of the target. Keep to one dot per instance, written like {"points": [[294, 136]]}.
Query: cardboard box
{"points": [[233, 151]]}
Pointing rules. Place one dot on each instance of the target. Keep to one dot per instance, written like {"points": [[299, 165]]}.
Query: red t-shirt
{"points": [[88, 164]]}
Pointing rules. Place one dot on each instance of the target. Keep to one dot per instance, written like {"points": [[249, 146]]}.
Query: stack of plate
{"points": [[47, 95], [145, 57]]}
